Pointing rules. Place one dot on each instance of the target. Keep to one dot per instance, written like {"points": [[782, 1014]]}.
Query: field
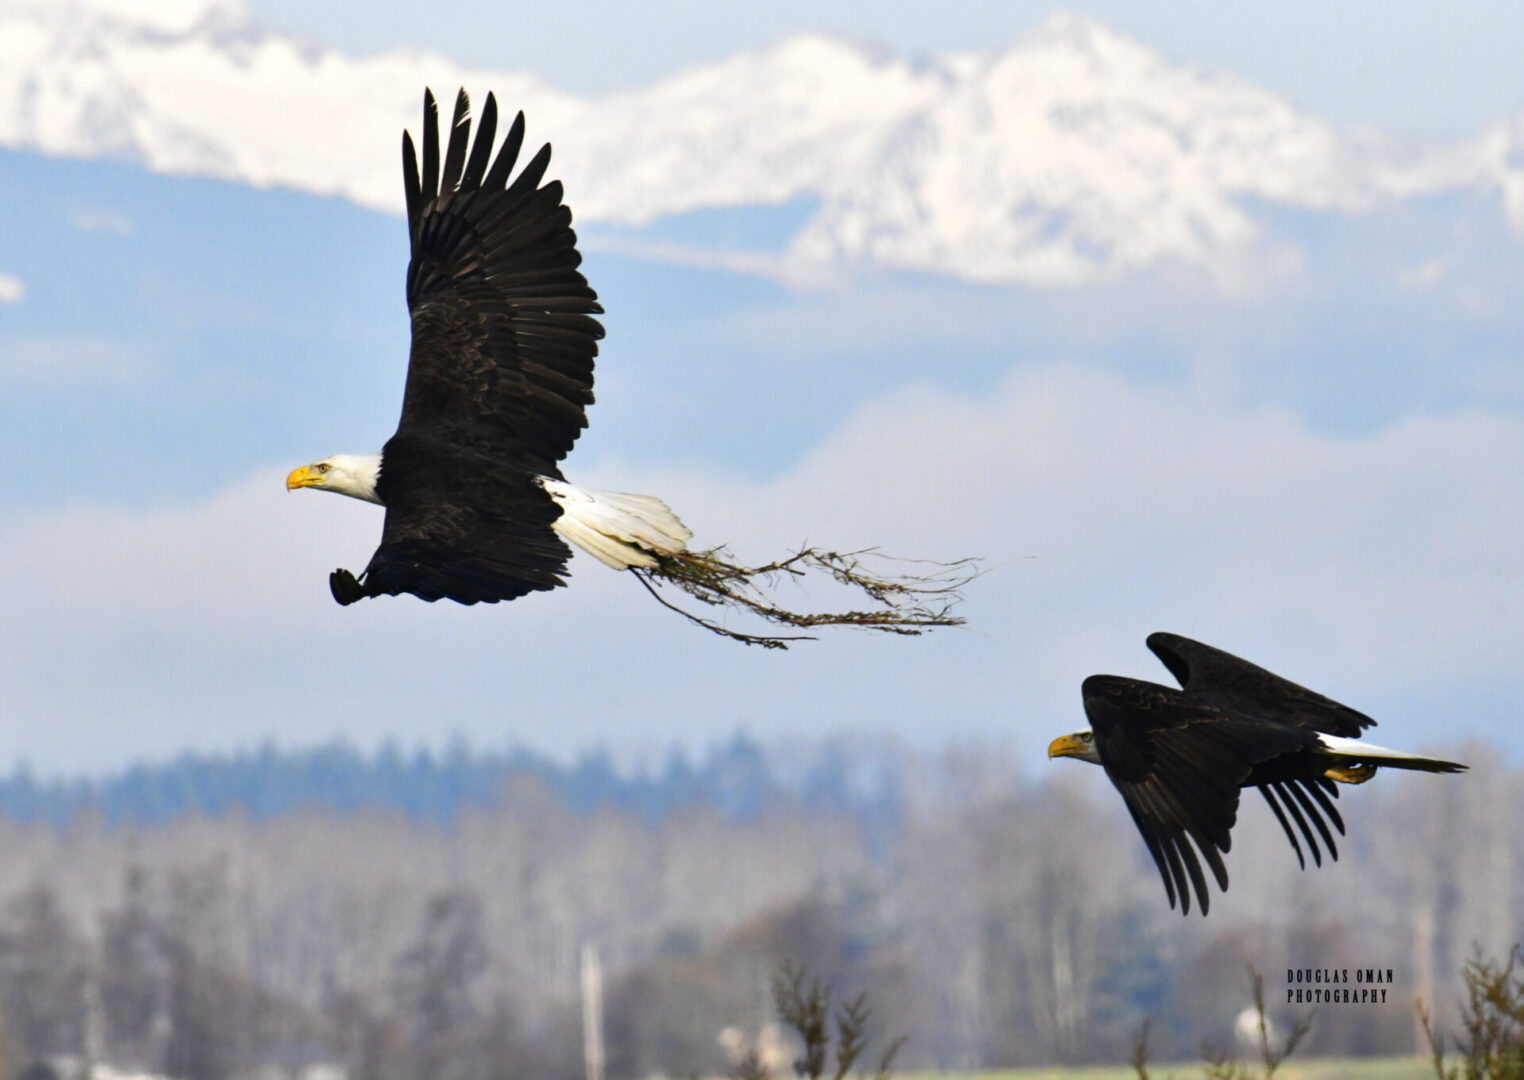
{"points": [[1403, 1068]]}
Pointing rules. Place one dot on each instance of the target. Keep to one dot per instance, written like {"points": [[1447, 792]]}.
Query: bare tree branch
{"points": [[1436, 1042], [1272, 1056]]}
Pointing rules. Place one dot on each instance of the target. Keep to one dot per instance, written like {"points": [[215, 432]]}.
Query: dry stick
{"points": [[1436, 1042], [736, 635], [904, 603]]}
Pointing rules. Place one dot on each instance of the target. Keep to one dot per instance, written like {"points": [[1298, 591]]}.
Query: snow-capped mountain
{"points": [[1075, 154]]}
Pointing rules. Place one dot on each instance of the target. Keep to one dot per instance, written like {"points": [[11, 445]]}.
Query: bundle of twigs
{"points": [[902, 603]]}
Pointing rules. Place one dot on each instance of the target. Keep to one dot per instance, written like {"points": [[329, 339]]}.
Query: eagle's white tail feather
{"points": [[616, 528], [1359, 749]]}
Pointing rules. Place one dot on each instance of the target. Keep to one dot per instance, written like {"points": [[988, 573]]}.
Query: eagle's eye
{"points": [[323, 466]]}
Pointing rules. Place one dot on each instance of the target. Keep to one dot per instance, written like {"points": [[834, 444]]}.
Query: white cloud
{"points": [[98, 219], [760, 264], [12, 289], [1382, 570]]}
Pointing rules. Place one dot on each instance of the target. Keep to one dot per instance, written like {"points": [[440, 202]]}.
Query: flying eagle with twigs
{"points": [[1180, 757], [499, 379]]}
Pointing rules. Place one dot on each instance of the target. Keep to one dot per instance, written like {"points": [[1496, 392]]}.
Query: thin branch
{"points": [[1140, 1051], [851, 1033], [908, 604], [886, 1062], [1436, 1042], [766, 641], [804, 1003]]}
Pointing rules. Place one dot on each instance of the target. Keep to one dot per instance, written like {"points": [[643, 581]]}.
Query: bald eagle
{"points": [[499, 378], [1180, 757]]}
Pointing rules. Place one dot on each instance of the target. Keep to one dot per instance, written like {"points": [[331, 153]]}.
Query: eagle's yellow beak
{"points": [[1065, 746], [303, 477]]}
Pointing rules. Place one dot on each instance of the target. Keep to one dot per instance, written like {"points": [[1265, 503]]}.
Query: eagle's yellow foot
{"points": [[1350, 774]]}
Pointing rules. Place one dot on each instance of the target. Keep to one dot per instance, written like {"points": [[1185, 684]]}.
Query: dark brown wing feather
{"points": [[1179, 765], [500, 373], [1220, 678]]}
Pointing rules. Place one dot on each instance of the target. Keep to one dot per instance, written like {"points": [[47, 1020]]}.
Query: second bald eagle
{"points": [[1180, 757]]}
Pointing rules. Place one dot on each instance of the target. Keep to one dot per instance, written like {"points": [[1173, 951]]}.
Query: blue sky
{"points": [[1321, 474]]}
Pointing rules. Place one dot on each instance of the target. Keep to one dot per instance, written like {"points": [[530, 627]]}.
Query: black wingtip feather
{"points": [[1296, 815], [481, 150], [1167, 842], [1146, 830], [1269, 794], [410, 185], [1171, 839], [1326, 803], [1193, 865], [460, 135], [1214, 860], [1159, 860], [507, 156], [1298, 791], [533, 173], [430, 147]]}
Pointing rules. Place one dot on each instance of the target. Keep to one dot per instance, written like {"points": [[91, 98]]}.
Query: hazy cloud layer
{"points": [[69, 361], [1383, 570]]}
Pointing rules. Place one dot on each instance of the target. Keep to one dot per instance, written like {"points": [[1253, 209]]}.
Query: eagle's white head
{"points": [[1079, 745], [354, 475]]}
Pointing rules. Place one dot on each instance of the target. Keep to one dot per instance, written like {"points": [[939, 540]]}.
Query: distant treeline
{"points": [[401, 916], [737, 777]]}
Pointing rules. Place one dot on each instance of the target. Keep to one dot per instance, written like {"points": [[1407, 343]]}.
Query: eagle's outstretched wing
{"points": [[1179, 765], [503, 334], [1218, 677]]}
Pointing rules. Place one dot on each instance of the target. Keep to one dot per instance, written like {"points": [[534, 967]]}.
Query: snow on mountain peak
{"points": [[1071, 32], [175, 18], [1075, 153]]}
